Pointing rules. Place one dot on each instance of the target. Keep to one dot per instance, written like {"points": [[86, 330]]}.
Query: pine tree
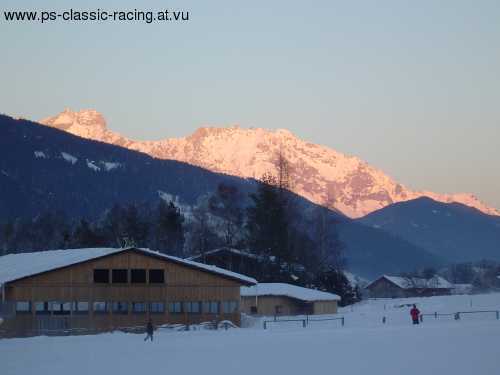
{"points": [[225, 205], [169, 229]]}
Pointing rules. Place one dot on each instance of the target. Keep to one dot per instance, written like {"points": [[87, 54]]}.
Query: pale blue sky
{"points": [[413, 87]]}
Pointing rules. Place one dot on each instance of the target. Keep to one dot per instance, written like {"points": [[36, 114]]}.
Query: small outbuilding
{"points": [[286, 299], [400, 287]]}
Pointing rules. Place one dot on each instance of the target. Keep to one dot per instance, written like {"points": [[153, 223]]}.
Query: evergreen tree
{"points": [[85, 236], [267, 222], [225, 204], [169, 229]]}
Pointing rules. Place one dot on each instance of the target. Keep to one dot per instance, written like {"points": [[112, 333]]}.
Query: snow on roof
{"points": [[288, 290], [17, 266], [228, 249], [436, 282]]}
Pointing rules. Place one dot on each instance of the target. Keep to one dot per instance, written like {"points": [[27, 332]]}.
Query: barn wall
{"points": [[325, 307], [385, 289], [75, 283], [266, 305]]}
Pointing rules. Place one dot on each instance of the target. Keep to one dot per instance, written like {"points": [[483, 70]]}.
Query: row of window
{"points": [[124, 276], [102, 307]]}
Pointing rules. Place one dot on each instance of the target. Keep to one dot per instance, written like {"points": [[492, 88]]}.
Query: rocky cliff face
{"points": [[319, 174]]}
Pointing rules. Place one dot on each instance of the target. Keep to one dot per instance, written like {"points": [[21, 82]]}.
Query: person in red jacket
{"points": [[415, 313]]}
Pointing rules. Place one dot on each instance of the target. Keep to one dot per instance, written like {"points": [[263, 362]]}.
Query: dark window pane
{"points": [[156, 276], [137, 276], [120, 276], [120, 308], [101, 276], [157, 307], [42, 308]]}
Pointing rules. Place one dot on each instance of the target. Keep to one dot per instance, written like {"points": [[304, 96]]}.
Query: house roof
{"points": [[436, 282], [18, 266], [287, 290], [225, 249]]}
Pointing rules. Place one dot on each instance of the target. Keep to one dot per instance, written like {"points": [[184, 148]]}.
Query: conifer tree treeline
{"points": [[290, 247]]}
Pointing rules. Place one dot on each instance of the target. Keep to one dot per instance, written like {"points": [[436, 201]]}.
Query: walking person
{"points": [[415, 314], [149, 330]]}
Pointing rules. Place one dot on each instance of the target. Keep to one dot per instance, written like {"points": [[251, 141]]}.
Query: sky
{"points": [[412, 87]]}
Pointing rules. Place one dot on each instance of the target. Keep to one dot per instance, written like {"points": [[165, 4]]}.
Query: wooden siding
{"points": [[290, 306], [325, 307], [383, 288], [75, 283]]}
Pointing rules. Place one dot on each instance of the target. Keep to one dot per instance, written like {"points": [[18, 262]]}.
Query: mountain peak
{"points": [[318, 173], [69, 119]]}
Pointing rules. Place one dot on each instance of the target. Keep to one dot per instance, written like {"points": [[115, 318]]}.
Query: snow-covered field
{"points": [[363, 346]]}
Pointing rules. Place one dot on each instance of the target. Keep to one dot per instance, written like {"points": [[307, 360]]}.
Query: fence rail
{"points": [[305, 321], [457, 315]]}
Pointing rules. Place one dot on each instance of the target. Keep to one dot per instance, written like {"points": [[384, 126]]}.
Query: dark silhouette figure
{"points": [[149, 330], [415, 313]]}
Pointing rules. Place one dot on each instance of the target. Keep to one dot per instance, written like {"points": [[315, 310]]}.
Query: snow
{"points": [[435, 282], [40, 155], [249, 153], [16, 266], [225, 249], [108, 166], [441, 347], [289, 290], [91, 165], [69, 158]]}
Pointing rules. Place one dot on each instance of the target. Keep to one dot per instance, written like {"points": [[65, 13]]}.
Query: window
{"points": [[101, 276], [192, 307], [23, 307], [157, 307], [229, 307], [211, 307], [120, 308], [120, 276], [100, 307], [175, 307], [253, 310], [61, 308], [42, 308], [156, 276], [80, 308], [137, 276], [139, 307]]}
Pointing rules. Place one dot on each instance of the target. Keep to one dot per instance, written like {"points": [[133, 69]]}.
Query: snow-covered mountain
{"points": [[318, 172]]}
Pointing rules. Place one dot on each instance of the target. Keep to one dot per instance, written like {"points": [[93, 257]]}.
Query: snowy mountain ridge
{"points": [[317, 172]]}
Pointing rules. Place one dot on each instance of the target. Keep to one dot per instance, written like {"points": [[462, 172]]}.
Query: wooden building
{"points": [[105, 289], [233, 260], [401, 287], [286, 299]]}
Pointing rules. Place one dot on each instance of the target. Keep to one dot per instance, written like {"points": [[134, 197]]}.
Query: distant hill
{"points": [[46, 169], [451, 231]]}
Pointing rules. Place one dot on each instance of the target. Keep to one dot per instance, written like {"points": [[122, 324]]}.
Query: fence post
{"points": [[342, 321], [383, 320], [498, 315], [304, 323], [265, 324], [436, 315]]}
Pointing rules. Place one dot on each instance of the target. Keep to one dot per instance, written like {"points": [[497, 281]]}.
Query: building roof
{"points": [[436, 282], [227, 250], [18, 266], [287, 290]]}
